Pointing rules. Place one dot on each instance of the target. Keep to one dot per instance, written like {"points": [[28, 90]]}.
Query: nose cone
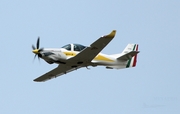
{"points": [[36, 51]]}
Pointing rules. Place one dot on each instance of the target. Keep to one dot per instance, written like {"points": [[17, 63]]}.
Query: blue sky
{"points": [[152, 87]]}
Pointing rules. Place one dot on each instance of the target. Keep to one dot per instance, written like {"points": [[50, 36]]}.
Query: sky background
{"points": [[150, 88]]}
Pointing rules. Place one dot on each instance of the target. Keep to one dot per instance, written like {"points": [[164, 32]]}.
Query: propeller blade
{"points": [[39, 59], [37, 48], [41, 49], [33, 47], [37, 45], [34, 57]]}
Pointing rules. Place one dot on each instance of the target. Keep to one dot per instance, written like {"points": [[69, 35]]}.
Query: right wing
{"points": [[89, 53], [58, 71]]}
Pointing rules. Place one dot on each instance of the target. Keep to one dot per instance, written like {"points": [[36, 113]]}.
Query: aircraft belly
{"points": [[107, 63], [102, 62]]}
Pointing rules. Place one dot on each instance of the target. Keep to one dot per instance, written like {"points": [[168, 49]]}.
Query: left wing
{"points": [[60, 70]]}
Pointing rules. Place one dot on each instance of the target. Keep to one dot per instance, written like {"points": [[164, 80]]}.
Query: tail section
{"points": [[130, 47], [129, 54], [128, 58], [132, 61]]}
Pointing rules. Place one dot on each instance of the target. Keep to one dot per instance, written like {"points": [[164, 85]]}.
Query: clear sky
{"points": [[151, 88]]}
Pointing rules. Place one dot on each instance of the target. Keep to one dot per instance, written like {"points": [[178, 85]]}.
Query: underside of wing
{"points": [[60, 70], [89, 53]]}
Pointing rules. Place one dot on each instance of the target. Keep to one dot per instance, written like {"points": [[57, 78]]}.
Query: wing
{"points": [[60, 70], [89, 53]]}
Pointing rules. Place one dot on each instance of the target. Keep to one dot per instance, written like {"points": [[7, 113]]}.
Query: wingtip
{"points": [[112, 34], [35, 80]]}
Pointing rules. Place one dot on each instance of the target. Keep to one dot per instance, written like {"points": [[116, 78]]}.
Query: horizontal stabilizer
{"points": [[128, 55]]}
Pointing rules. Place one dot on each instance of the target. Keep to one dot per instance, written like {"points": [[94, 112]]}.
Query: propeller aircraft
{"points": [[74, 56]]}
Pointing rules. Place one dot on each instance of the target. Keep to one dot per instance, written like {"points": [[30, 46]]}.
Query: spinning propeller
{"points": [[36, 49]]}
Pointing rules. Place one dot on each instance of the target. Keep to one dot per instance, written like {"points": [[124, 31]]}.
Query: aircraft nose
{"points": [[36, 51]]}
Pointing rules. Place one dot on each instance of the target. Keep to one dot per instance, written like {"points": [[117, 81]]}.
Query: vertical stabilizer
{"points": [[131, 47]]}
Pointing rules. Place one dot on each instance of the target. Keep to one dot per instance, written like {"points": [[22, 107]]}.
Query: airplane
{"points": [[74, 56]]}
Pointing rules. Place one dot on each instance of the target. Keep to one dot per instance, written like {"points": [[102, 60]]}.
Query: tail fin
{"points": [[132, 61], [128, 57], [130, 47]]}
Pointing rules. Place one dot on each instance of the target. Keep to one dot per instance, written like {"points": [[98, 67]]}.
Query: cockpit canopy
{"points": [[74, 47], [67, 47]]}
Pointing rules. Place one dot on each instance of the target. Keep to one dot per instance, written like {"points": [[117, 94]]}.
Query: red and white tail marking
{"points": [[135, 57], [132, 62]]}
